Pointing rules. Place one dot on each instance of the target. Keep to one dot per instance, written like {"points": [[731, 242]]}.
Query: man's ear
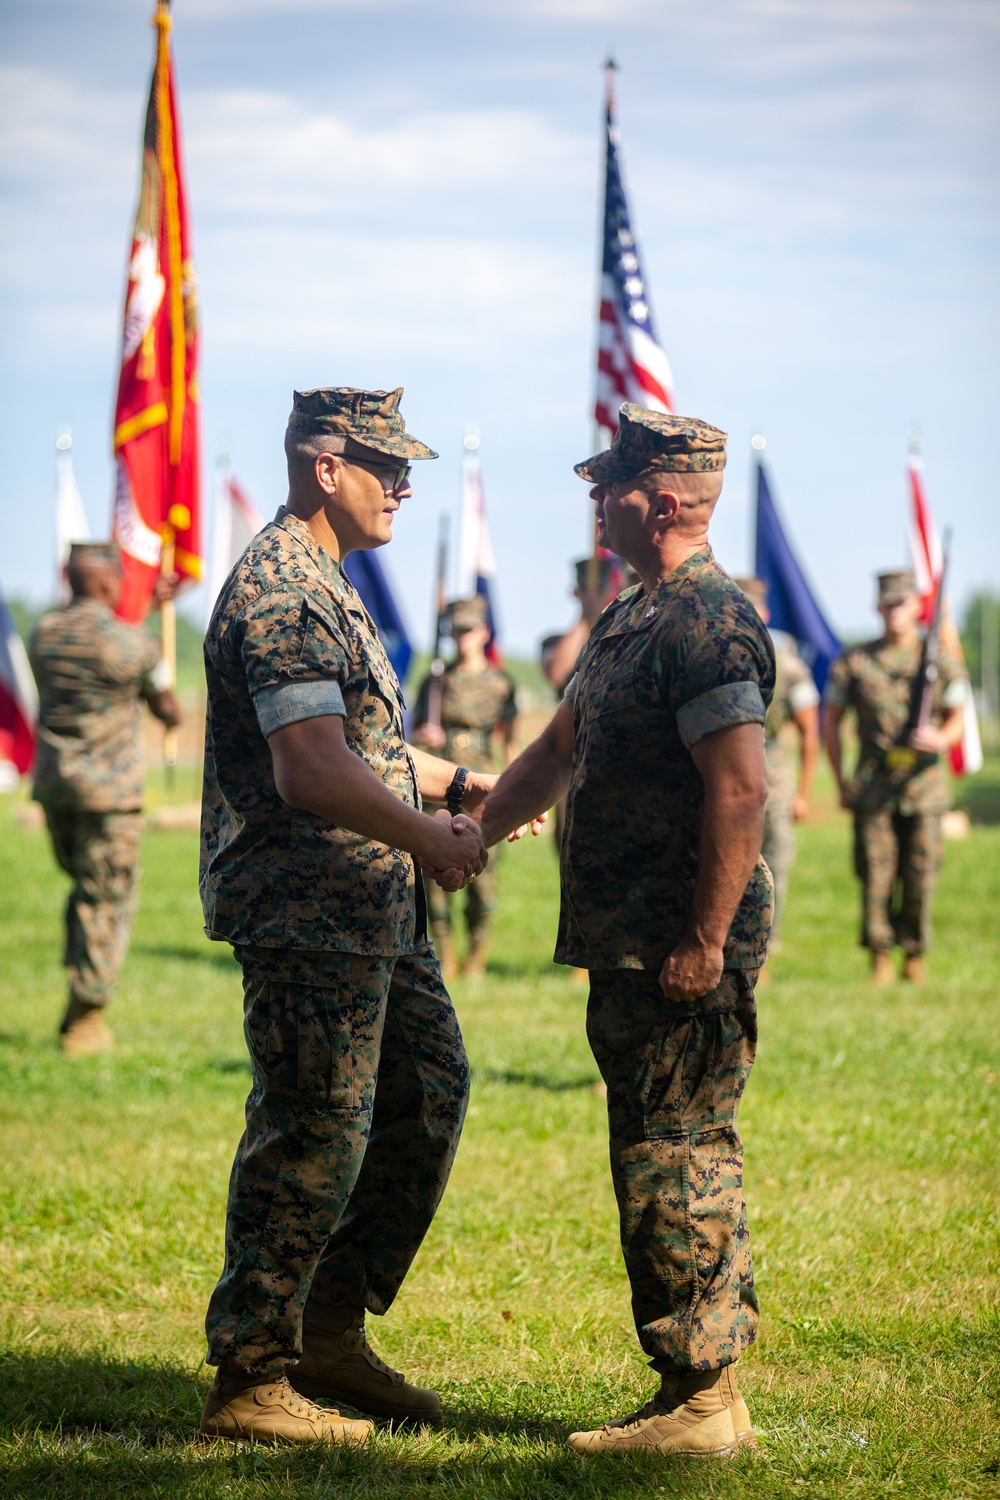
{"points": [[326, 468], [666, 506]]}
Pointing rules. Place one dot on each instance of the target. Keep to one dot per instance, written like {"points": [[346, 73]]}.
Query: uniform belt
{"points": [[469, 739]]}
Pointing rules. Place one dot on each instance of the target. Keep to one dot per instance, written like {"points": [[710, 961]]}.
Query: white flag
{"points": [[71, 518]]}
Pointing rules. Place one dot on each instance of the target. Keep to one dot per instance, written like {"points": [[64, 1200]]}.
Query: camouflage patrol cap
{"points": [[655, 440], [82, 554], [896, 587], [604, 566], [369, 420], [756, 591], [467, 614]]}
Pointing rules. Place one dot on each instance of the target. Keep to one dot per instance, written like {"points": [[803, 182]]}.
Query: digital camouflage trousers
{"points": [[360, 1087], [100, 850], [896, 858], [675, 1075]]}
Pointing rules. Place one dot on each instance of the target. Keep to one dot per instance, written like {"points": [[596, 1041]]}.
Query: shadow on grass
{"points": [[219, 955], [533, 1080], [100, 1426]]}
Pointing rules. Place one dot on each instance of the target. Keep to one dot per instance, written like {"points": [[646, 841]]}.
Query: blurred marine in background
{"points": [[93, 671], [796, 702], [898, 791], [477, 707]]}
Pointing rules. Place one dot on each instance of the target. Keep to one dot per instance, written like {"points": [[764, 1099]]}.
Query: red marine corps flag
{"points": [[967, 756], [157, 512]]}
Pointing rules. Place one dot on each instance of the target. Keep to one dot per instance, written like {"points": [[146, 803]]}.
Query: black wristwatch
{"points": [[456, 791]]}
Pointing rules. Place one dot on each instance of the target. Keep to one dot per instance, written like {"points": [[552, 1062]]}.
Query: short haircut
{"points": [[695, 486], [81, 573], [306, 447]]}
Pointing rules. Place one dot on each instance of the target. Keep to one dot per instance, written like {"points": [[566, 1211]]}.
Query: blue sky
{"points": [[401, 193]]}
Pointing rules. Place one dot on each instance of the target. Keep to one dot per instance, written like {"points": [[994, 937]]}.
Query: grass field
{"points": [[871, 1130]]}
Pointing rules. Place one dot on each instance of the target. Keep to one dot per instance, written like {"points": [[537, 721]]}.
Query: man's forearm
{"points": [[532, 784], [732, 828], [831, 740], [434, 775]]}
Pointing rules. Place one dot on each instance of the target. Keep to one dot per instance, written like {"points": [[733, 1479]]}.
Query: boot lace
{"points": [[651, 1409], [374, 1359]]}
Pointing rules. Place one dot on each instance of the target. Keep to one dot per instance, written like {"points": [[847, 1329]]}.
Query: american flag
{"points": [[967, 756], [631, 366]]}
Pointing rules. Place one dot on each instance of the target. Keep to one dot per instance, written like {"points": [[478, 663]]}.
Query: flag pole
{"points": [[610, 69]]}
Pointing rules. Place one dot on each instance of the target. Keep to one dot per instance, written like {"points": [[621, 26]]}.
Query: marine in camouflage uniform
{"points": [[795, 702], [360, 1077], [665, 667], [477, 701], [897, 799], [93, 672]]}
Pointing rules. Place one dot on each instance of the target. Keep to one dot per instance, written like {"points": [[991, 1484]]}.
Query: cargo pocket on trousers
{"points": [[325, 1051], [301, 1042]]}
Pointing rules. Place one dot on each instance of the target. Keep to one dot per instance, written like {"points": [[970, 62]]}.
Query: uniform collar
{"points": [[693, 564], [95, 606], [327, 564]]}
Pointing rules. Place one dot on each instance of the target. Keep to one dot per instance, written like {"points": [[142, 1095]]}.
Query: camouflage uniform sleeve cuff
{"points": [[722, 707], [569, 691], [802, 695], [159, 680], [955, 693], [288, 702]]}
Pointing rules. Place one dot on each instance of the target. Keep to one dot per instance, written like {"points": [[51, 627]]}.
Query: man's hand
{"points": [[453, 864], [800, 807], [165, 589], [534, 828], [429, 737], [846, 800], [928, 739], [690, 971]]}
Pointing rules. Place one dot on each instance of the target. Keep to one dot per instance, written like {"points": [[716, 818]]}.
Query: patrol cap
{"points": [[467, 614], [604, 567], [369, 420], [896, 587], [655, 440], [94, 554], [756, 590]]}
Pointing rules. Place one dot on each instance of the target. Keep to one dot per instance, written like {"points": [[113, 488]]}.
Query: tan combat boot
{"points": [[691, 1415], [444, 947], [271, 1412], [84, 1031], [474, 966], [338, 1364], [882, 970], [913, 968]]}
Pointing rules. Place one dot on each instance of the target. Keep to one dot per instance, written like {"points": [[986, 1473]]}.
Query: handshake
{"points": [[455, 852]]}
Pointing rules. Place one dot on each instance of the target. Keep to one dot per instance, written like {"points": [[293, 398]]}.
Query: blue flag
{"points": [[790, 600], [365, 572]]}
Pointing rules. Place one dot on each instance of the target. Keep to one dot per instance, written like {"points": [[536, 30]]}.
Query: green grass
{"points": [[870, 1123]]}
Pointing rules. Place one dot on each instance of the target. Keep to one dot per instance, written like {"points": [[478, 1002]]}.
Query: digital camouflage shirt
{"points": [[659, 672], [291, 640], [794, 691], [472, 705], [878, 681], [92, 670]]}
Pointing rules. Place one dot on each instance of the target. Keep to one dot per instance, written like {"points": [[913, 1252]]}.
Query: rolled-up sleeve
{"points": [[295, 657], [289, 702], [722, 707]]}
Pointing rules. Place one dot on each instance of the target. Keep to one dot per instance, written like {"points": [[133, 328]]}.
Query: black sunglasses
{"points": [[400, 471]]}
